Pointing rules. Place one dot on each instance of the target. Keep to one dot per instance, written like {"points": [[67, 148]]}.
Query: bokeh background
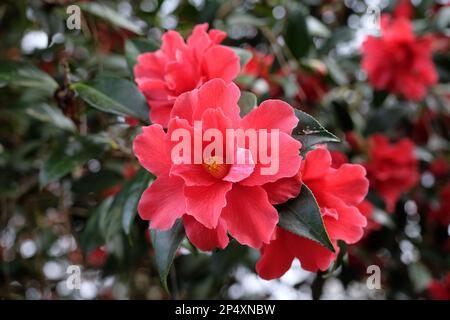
{"points": [[69, 182]]}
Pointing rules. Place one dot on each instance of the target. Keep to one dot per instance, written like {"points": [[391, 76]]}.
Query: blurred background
{"points": [[69, 182]]}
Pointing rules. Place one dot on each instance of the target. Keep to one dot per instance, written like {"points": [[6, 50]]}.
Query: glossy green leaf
{"points": [[96, 182], [133, 190], [310, 132], [165, 244], [90, 237], [21, 74], [339, 259], [66, 156], [420, 276], [339, 36], [112, 16], [296, 33], [317, 28], [114, 95], [336, 72], [247, 102], [302, 217], [443, 19], [52, 115], [123, 209]]}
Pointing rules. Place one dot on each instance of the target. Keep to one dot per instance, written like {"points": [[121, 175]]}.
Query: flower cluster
{"points": [[440, 290], [392, 168], [190, 84], [179, 67], [338, 192], [399, 61]]}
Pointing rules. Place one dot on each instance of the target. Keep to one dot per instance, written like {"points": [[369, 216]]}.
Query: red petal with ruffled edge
{"points": [[203, 238], [163, 202], [249, 216]]}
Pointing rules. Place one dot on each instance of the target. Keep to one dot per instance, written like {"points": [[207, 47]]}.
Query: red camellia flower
{"points": [[179, 67], [98, 257], [259, 65], [338, 158], [398, 61], [438, 290], [440, 167], [442, 213], [211, 196], [404, 9], [392, 168], [312, 87], [338, 192]]}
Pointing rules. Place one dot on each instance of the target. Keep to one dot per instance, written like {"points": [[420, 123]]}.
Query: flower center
{"points": [[215, 166]]}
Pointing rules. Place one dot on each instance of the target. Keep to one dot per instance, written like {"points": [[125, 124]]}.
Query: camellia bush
{"points": [[225, 149]]}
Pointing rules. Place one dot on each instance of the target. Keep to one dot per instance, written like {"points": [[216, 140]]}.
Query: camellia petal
{"points": [[203, 238], [271, 114], [205, 203], [163, 202], [250, 219], [151, 151]]}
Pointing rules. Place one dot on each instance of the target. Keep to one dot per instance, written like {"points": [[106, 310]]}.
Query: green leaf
{"points": [[339, 36], [133, 190], [336, 72], [247, 102], [114, 95], [65, 157], [21, 74], [134, 47], [123, 209], [97, 182], [165, 244], [339, 260], [302, 217], [386, 118], [90, 237], [317, 28], [52, 115], [443, 19], [246, 20], [109, 14], [296, 34], [310, 132], [244, 55], [379, 97], [420, 276]]}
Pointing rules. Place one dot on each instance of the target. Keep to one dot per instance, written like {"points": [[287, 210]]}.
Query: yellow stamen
{"points": [[216, 167]]}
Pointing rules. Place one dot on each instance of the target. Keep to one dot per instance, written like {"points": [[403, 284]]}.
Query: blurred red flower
{"points": [[110, 39], [442, 213], [338, 192], [399, 61], [179, 67], [422, 127], [440, 167], [312, 87], [392, 168], [98, 257], [440, 290], [259, 65], [404, 9], [338, 158]]}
